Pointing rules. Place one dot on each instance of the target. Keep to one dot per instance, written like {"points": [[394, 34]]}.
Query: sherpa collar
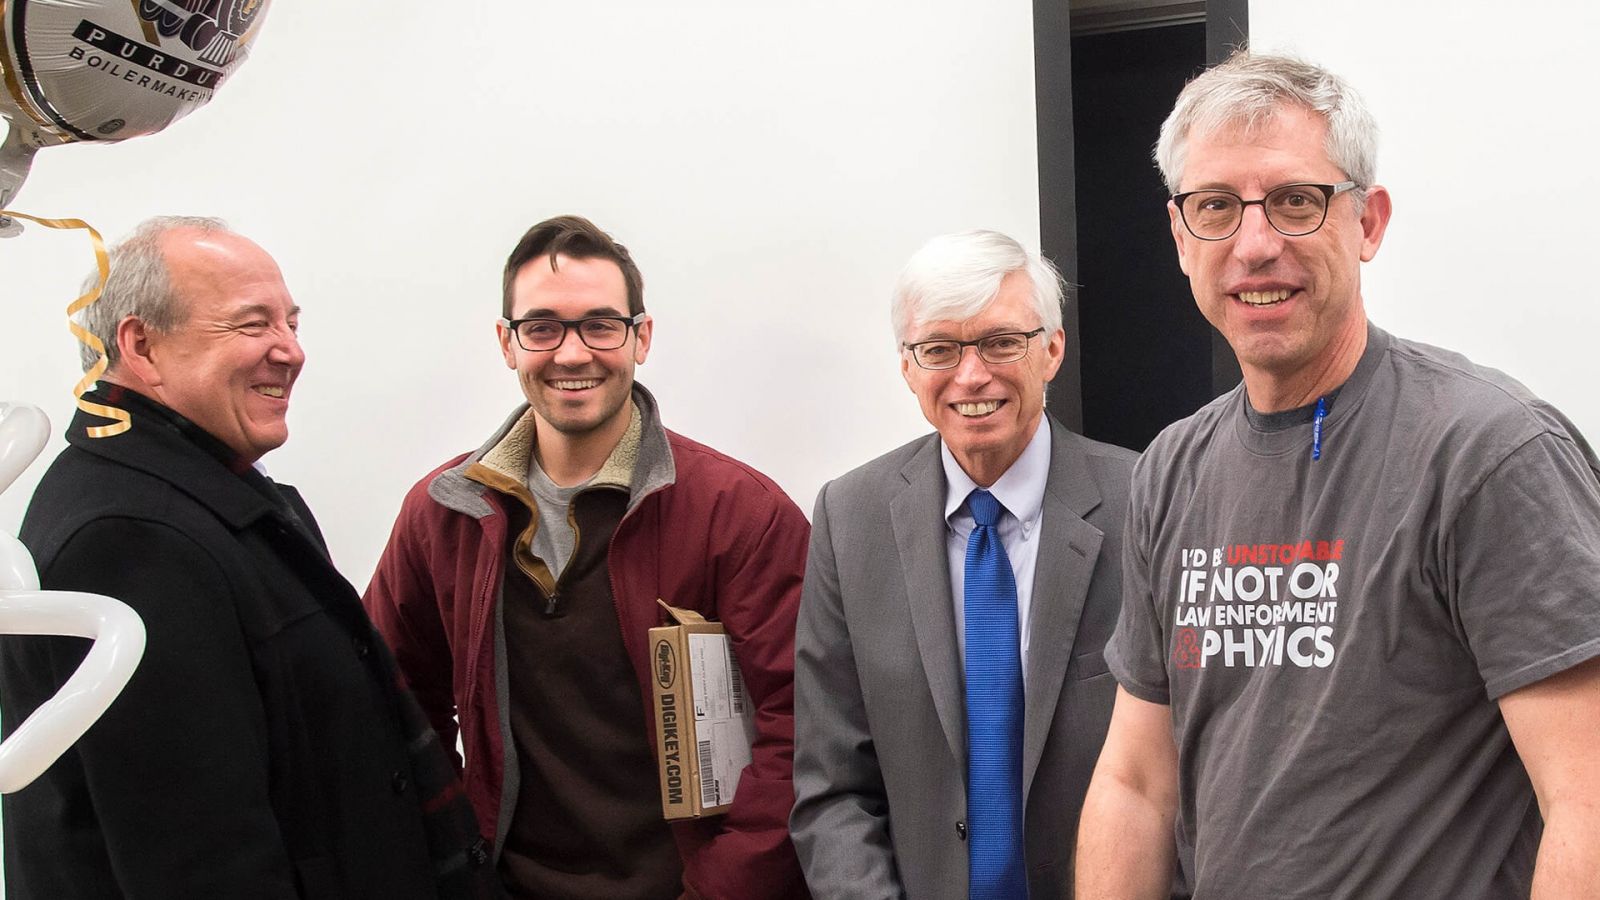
{"points": [[649, 468], [511, 459]]}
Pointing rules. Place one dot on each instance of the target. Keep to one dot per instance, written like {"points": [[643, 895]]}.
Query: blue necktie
{"points": [[994, 711]]}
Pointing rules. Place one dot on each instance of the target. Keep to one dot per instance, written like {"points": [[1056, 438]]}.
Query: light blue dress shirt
{"points": [[1021, 491]]}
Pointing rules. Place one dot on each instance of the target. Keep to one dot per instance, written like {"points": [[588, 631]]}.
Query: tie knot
{"points": [[985, 508]]}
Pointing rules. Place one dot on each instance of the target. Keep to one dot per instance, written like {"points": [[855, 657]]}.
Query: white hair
{"points": [[139, 285], [1247, 90], [955, 276]]}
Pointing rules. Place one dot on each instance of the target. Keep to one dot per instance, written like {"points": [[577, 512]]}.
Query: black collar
{"points": [[165, 445]]}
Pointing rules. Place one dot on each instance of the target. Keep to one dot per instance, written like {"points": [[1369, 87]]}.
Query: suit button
{"points": [[961, 830], [399, 782], [363, 647]]}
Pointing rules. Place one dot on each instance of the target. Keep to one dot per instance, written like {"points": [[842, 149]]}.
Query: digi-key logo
{"points": [[666, 666]]}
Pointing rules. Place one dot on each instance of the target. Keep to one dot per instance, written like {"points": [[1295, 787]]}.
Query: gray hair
{"points": [[1248, 89], [954, 276], [139, 285]]}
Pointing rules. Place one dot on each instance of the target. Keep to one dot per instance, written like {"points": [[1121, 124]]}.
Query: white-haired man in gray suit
{"points": [[950, 690]]}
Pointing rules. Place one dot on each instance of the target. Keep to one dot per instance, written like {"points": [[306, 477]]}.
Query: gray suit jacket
{"points": [[880, 716]]}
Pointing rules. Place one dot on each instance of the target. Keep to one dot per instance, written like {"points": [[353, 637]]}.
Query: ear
{"points": [[508, 348], [1179, 234], [1375, 220], [1055, 351], [641, 339], [137, 342], [906, 368]]}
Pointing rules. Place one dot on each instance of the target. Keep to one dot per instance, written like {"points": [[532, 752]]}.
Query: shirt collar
{"points": [[1020, 490]]}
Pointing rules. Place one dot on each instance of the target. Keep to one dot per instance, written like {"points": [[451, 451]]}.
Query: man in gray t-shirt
{"points": [[1359, 651]]}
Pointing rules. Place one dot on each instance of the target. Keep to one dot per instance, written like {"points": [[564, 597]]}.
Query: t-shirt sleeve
{"points": [[1522, 563], [1136, 653]]}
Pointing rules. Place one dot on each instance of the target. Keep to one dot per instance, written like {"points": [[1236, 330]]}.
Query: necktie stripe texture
{"points": [[994, 711]]}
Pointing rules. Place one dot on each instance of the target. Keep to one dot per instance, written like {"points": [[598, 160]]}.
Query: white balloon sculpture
{"points": [[117, 631]]}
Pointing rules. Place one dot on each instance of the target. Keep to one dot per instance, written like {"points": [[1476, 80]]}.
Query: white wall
{"points": [[1488, 113], [770, 165]]}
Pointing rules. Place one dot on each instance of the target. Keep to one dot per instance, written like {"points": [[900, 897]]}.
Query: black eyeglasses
{"points": [[597, 332], [1294, 210], [995, 349]]}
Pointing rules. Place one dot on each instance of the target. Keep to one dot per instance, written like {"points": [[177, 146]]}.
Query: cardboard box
{"points": [[704, 720]]}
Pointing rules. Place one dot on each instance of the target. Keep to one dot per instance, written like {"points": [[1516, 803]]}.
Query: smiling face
{"points": [[229, 368], [987, 413], [1289, 306], [578, 393]]}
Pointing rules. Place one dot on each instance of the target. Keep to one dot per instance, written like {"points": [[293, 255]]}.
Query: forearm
{"points": [[409, 616], [750, 853], [1125, 844], [843, 842], [183, 750], [1553, 723], [840, 820], [1568, 865], [757, 598]]}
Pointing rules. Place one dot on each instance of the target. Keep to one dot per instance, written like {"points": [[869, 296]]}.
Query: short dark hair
{"points": [[578, 238]]}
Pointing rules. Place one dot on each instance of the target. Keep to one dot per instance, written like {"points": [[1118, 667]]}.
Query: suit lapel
{"points": [[1068, 548], [917, 514]]}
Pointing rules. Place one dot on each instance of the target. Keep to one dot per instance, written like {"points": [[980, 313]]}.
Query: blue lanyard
{"points": [[1316, 428]]}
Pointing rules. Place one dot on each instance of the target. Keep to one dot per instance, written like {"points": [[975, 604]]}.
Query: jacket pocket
{"points": [[1088, 665]]}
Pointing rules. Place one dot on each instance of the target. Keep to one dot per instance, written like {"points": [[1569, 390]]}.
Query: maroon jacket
{"points": [[703, 532]]}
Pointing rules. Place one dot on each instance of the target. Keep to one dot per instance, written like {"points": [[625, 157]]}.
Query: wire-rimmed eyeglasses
{"points": [[1293, 210], [540, 333], [994, 349]]}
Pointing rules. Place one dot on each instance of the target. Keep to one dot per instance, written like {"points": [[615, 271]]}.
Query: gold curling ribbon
{"points": [[121, 420]]}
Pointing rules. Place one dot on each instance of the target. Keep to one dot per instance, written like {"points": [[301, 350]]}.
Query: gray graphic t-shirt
{"points": [[1332, 635]]}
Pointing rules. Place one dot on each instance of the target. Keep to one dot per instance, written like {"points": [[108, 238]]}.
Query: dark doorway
{"points": [[1139, 355], [1146, 352]]}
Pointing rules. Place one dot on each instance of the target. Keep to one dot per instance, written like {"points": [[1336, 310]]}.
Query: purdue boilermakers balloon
{"points": [[108, 70]]}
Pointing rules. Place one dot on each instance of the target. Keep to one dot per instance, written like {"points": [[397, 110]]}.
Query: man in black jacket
{"points": [[263, 748]]}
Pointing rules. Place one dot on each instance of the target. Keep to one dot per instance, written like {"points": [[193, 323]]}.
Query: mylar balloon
{"points": [[108, 70]]}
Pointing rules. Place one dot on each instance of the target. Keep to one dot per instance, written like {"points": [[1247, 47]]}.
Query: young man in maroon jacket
{"points": [[521, 580]]}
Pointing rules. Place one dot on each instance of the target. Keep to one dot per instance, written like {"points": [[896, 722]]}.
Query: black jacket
{"points": [[261, 748]]}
